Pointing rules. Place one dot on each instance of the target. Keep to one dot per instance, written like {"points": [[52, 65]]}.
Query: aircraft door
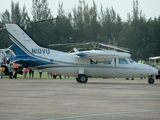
{"points": [[120, 66], [109, 69]]}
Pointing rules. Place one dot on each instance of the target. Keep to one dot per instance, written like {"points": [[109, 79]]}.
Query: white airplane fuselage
{"points": [[101, 70]]}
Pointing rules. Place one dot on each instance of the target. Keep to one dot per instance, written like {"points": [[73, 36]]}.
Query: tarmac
{"points": [[65, 99]]}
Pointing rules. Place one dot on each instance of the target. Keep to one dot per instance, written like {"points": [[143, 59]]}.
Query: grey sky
{"points": [[151, 8]]}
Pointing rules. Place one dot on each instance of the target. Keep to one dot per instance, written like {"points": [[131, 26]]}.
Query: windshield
{"points": [[131, 61]]}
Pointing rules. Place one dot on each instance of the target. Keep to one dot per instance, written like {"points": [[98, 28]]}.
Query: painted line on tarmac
{"points": [[105, 114]]}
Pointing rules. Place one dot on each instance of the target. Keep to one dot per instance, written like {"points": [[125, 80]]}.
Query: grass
{"points": [[36, 75]]}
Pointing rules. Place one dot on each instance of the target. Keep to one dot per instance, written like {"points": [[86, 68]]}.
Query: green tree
{"points": [[86, 25], [39, 30], [94, 23], [134, 33], [153, 32], [78, 17], [111, 25], [63, 26], [17, 15], [40, 10]]}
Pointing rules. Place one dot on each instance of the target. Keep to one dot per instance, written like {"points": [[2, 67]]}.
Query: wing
{"points": [[102, 55]]}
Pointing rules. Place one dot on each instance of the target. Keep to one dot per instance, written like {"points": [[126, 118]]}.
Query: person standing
{"points": [[156, 64], [10, 69], [15, 67], [40, 73], [31, 72], [141, 61], [25, 71]]}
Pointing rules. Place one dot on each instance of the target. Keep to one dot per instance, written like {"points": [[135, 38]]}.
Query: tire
{"points": [[82, 78], [151, 81], [78, 80]]}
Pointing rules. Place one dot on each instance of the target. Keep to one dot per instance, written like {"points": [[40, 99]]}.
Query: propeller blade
{"points": [[69, 44], [94, 44], [114, 47]]}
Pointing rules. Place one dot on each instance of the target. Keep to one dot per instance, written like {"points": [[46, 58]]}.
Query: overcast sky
{"points": [[151, 8]]}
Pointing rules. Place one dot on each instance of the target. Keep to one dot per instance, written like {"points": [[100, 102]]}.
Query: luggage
{"points": [[2, 69]]}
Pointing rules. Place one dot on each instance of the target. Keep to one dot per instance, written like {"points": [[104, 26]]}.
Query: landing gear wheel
{"points": [[77, 80], [151, 81], [82, 78]]}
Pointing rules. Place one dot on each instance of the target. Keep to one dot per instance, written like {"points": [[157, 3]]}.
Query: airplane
{"points": [[79, 64], [6, 53]]}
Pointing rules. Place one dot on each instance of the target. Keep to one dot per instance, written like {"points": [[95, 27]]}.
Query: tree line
{"points": [[86, 24]]}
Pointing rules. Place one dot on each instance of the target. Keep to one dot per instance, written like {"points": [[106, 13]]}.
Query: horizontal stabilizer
{"points": [[22, 58]]}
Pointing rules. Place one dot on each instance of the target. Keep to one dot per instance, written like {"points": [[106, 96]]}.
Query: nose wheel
{"points": [[150, 80]]}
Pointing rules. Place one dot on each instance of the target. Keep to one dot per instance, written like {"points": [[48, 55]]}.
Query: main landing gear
{"points": [[82, 78], [151, 80]]}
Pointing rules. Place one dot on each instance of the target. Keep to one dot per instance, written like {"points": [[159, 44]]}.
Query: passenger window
{"points": [[122, 61], [107, 62]]}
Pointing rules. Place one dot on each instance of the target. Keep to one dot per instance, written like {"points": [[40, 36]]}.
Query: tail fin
{"points": [[23, 44]]}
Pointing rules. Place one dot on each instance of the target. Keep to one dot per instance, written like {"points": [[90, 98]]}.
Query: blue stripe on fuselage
{"points": [[22, 50]]}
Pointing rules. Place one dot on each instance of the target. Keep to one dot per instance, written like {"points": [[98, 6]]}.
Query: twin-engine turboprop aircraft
{"points": [[80, 64]]}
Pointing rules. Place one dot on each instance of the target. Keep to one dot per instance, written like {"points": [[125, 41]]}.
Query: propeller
{"points": [[70, 44], [114, 47]]}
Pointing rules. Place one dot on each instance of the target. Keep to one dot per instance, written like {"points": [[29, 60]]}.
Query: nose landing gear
{"points": [[151, 80]]}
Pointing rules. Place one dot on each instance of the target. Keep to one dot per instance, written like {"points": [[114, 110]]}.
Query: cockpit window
{"points": [[130, 60], [123, 61]]}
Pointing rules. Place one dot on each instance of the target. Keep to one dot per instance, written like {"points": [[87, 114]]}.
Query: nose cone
{"points": [[154, 71], [147, 70]]}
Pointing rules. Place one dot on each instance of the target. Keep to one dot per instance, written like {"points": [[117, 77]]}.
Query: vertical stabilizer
{"points": [[24, 44]]}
